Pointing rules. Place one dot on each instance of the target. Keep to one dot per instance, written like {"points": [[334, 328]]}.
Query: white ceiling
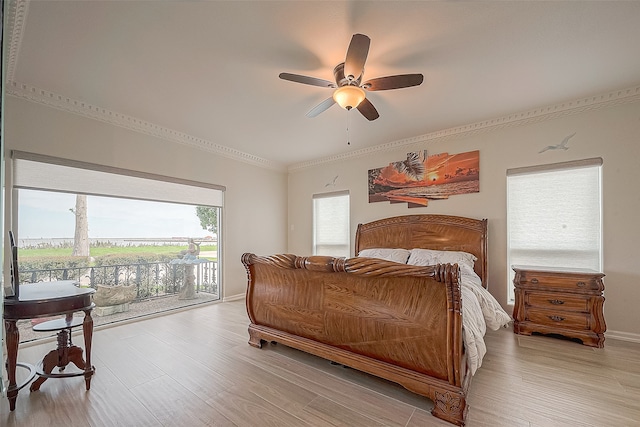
{"points": [[209, 69]]}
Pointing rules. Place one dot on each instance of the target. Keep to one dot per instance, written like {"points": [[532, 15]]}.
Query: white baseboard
{"points": [[234, 297], [622, 336]]}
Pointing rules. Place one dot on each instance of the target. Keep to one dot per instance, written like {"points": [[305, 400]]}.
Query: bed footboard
{"points": [[398, 322]]}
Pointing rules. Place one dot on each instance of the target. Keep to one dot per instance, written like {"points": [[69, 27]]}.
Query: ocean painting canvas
{"points": [[421, 177]]}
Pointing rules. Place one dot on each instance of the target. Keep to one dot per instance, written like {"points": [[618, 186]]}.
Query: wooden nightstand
{"points": [[566, 302]]}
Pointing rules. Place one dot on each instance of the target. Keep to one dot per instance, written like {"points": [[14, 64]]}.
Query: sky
{"points": [[439, 169], [45, 214]]}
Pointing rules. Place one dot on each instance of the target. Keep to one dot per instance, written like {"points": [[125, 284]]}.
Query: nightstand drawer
{"points": [[560, 319], [557, 301], [564, 283]]}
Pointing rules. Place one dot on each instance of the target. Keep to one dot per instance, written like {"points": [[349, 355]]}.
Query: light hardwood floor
{"points": [[195, 368]]}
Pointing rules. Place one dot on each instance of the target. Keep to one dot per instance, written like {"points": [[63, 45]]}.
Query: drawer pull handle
{"points": [[556, 301], [581, 284], [556, 318], [534, 281]]}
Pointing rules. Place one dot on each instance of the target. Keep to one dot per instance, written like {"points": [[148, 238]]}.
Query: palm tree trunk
{"points": [[81, 237]]}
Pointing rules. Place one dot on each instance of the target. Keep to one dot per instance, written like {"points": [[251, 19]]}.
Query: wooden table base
{"points": [[43, 300], [63, 355]]}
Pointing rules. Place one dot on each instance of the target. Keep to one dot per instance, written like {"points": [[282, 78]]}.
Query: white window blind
{"points": [[39, 172], [554, 216], [331, 224]]}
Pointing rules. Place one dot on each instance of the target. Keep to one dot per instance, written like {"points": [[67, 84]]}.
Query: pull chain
{"points": [[348, 116]]}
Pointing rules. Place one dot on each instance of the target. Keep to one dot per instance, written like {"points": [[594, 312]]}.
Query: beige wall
{"points": [[611, 133], [254, 217], [257, 202]]}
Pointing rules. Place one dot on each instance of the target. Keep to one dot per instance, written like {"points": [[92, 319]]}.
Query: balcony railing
{"points": [[152, 280]]}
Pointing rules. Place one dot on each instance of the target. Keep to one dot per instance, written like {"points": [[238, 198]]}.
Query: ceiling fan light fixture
{"points": [[349, 96]]}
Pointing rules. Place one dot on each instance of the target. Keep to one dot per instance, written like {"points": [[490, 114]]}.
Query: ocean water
{"points": [[58, 242], [437, 191]]}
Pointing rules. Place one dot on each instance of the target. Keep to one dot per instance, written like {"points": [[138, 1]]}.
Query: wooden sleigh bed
{"points": [[395, 321]]}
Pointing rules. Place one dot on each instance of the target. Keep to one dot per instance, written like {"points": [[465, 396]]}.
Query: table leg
{"points": [[87, 329], [49, 362], [13, 338]]}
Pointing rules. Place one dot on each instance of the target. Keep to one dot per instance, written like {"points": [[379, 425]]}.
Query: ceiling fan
{"points": [[349, 88]]}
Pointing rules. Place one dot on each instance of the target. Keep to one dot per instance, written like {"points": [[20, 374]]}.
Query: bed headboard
{"points": [[440, 232]]}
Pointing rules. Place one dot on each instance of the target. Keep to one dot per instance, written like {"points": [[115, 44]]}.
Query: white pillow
{"points": [[395, 255], [432, 257]]}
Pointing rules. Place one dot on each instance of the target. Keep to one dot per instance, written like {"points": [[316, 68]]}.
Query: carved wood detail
{"points": [[449, 406]]}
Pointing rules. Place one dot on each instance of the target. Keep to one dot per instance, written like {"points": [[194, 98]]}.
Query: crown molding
{"points": [[17, 11], [16, 18], [60, 102], [16, 15], [81, 108], [624, 96]]}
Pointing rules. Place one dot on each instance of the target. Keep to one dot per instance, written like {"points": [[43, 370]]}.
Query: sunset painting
{"points": [[421, 177]]}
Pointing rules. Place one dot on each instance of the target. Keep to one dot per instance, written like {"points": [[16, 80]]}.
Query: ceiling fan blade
{"points": [[393, 82], [324, 105], [367, 109], [307, 80], [356, 55]]}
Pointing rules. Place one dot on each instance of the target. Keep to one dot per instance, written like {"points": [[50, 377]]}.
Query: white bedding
{"points": [[479, 311]]}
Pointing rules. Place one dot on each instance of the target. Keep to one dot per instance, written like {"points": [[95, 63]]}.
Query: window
{"points": [[554, 216], [331, 224], [116, 212]]}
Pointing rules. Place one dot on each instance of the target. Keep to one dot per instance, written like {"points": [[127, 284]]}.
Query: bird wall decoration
{"points": [[332, 183], [562, 146]]}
